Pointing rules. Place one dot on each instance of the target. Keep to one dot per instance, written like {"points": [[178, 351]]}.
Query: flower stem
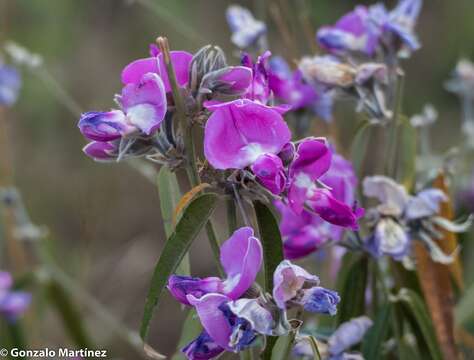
{"points": [[231, 215], [188, 139]]}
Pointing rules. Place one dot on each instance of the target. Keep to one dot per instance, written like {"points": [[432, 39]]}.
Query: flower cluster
{"points": [[13, 303], [401, 218], [233, 311]]}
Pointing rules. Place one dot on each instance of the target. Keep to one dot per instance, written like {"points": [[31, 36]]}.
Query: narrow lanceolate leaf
{"points": [[419, 318], [351, 285], [271, 242], [373, 341], [190, 330], [187, 229], [184, 201], [69, 314], [283, 344], [168, 191], [436, 283]]}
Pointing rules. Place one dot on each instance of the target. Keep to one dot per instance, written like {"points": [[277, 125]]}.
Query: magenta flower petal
{"points": [[239, 77], [335, 211], [341, 178], [104, 126], [270, 173], [134, 71], [313, 158], [238, 132], [101, 151], [288, 279], [241, 257], [182, 286], [212, 318], [145, 103]]}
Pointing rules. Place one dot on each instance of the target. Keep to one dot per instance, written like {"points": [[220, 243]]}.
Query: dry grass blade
{"points": [[436, 283], [184, 201]]}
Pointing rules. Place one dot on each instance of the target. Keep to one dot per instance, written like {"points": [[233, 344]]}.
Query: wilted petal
{"points": [[104, 126], [202, 348], [181, 286], [313, 157], [241, 257], [348, 334], [212, 318], [260, 319], [320, 300], [435, 251], [327, 71], [238, 132], [393, 197], [134, 71], [101, 151], [288, 279], [270, 173], [390, 239], [426, 203], [145, 103]]}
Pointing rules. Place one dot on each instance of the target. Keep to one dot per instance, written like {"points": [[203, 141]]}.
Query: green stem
{"points": [[187, 134], [231, 215], [391, 153]]}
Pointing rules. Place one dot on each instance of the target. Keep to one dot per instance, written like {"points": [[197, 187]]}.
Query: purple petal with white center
{"points": [[101, 151], [260, 319], [348, 334], [426, 203], [270, 173], [202, 348], [320, 300], [182, 286], [212, 318], [313, 157], [238, 132], [288, 279], [104, 126], [145, 103], [241, 258], [134, 71]]}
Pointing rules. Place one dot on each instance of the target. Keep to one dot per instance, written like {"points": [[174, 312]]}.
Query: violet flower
{"points": [[143, 108], [239, 132], [10, 83], [12, 303], [307, 232], [401, 218], [294, 286], [246, 30]]}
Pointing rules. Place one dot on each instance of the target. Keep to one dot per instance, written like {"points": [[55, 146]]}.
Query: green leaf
{"points": [[168, 191], [190, 330], [352, 284], [193, 219], [271, 242], [68, 313], [360, 145], [375, 337], [282, 346], [464, 311], [418, 316]]}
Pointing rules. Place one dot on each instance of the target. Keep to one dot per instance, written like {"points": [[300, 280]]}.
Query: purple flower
{"points": [[348, 334], [313, 160], [134, 72], [10, 83], [12, 303], [144, 107], [268, 168], [101, 151], [202, 348], [239, 132], [241, 258], [294, 285], [353, 32], [246, 30], [259, 89]]}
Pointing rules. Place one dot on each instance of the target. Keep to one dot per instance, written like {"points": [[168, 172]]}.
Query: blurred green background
{"points": [[105, 219]]}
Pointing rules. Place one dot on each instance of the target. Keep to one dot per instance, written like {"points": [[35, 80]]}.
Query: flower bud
{"points": [[208, 59]]}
